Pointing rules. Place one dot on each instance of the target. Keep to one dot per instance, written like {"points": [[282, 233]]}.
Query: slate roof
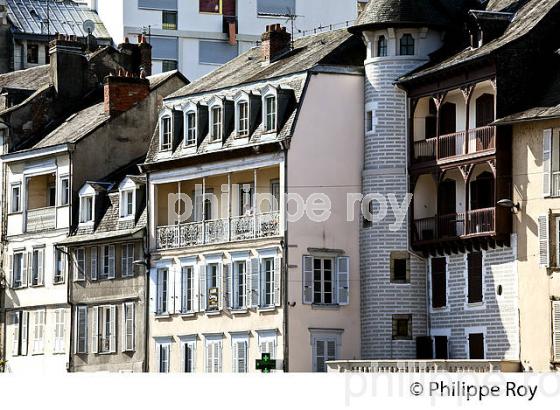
{"points": [[526, 18], [65, 17], [82, 123], [31, 79]]}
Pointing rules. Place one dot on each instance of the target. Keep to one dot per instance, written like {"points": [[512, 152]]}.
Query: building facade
{"points": [[198, 36]]}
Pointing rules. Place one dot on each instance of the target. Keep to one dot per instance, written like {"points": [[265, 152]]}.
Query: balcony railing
{"points": [[461, 224], [457, 144], [424, 366], [218, 231], [41, 219]]}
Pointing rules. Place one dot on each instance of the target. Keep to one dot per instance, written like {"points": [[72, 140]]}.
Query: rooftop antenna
{"points": [[291, 17]]}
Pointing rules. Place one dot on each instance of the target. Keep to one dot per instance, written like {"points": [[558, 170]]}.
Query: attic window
{"points": [[242, 119], [166, 135], [381, 46], [270, 113], [86, 209], [407, 45], [216, 121], [127, 203], [190, 134]]}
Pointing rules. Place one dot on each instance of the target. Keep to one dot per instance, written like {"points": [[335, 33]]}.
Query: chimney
{"points": [[122, 93], [129, 57], [275, 41], [145, 56], [68, 66]]}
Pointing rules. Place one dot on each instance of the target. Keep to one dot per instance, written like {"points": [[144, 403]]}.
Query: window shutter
{"points": [[25, 272], [11, 270], [556, 330], [95, 330], [159, 290], [277, 280], [113, 327], [202, 288], [209, 357], [331, 350], [132, 310], [230, 293], [40, 259], [547, 148], [24, 332], [93, 267], [16, 318], [235, 349], [195, 285], [218, 358], [153, 290], [177, 291], [222, 293], [343, 279], [255, 283], [439, 285], [544, 245], [171, 290], [111, 262], [124, 329], [308, 280], [474, 266]]}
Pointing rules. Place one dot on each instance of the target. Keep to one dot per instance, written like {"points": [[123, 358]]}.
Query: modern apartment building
{"points": [[197, 36]]}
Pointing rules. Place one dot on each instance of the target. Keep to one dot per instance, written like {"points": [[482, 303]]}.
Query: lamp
{"points": [[508, 203]]}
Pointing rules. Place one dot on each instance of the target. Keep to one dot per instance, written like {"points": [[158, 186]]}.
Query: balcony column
{"points": [[203, 210], [255, 203], [438, 101], [229, 205], [466, 172], [467, 94], [413, 105], [282, 199], [180, 202]]}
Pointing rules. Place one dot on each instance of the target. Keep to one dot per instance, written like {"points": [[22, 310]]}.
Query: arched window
{"points": [[381, 46], [407, 45]]}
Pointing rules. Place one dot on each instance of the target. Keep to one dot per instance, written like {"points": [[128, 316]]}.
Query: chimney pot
{"points": [[275, 41], [122, 93]]}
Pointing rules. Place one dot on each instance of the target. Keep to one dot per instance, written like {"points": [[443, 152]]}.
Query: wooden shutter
{"points": [[95, 330], [177, 296], [240, 357], [24, 332], [113, 327], [277, 280], [93, 265], [16, 319], [111, 249], [475, 277], [24, 270], [124, 328], [547, 149], [11, 270], [40, 262], [556, 330], [209, 357], [439, 285], [343, 279], [202, 287], [308, 280], [218, 357], [255, 283], [544, 244], [170, 290], [223, 294], [230, 291]]}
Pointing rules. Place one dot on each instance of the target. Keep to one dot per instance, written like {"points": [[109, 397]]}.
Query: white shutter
{"points": [[171, 290], [59, 330], [132, 319], [308, 280], [222, 273], [16, 318], [229, 288], [95, 330], [113, 327], [195, 285], [255, 283], [277, 280], [218, 357], [544, 245], [556, 330], [93, 265], [242, 357], [235, 351], [11, 270], [24, 332], [177, 296], [343, 279], [209, 357], [124, 329], [153, 290], [202, 288], [24, 271], [40, 262], [111, 262], [547, 148]]}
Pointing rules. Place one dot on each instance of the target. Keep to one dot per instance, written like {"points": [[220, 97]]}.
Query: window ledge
{"points": [[188, 315], [162, 315], [239, 311], [267, 309], [475, 306], [213, 312], [126, 218], [325, 306]]}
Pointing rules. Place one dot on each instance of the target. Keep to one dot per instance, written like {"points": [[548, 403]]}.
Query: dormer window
{"points": [[166, 133], [216, 123], [86, 209], [243, 119], [407, 45], [127, 203], [381, 46], [190, 136], [270, 113]]}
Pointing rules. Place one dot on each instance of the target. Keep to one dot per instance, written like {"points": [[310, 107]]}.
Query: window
{"points": [[190, 138], [39, 331], [323, 284], [243, 119], [275, 190], [128, 327], [19, 323], [64, 191], [267, 282], [216, 121], [32, 53], [37, 264], [81, 329], [80, 264], [166, 133], [213, 286], [127, 260], [210, 6], [239, 348], [240, 285], [105, 325], [169, 20], [276, 7], [323, 351], [51, 194], [246, 193], [556, 330], [168, 65], [369, 121], [59, 266], [213, 356], [59, 319], [381, 46], [400, 272], [19, 277], [162, 291], [86, 209], [476, 346], [187, 289], [439, 283], [127, 203], [267, 344], [16, 198], [402, 327], [441, 348], [474, 262], [189, 356], [216, 52], [107, 262], [163, 354], [270, 116], [407, 45], [319, 280]]}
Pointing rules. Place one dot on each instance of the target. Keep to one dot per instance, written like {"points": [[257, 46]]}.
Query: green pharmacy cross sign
{"points": [[266, 364]]}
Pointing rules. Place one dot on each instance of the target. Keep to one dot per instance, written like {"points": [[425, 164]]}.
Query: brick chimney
{"points": [[275, 41], [68, 66], [122, 93], [145, 56]]}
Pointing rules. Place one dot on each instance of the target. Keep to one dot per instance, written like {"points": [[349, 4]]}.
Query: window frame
{"points": [[324, 336], [127, 260], [267, 114], [84, 199], [22, 269], [476, 330], [62, 268], [191, 130], [431, 287], [166, 135], [59, 330], [40, 250], [216, 127], [333, 281], [219, 12], [64, 192], [162, 291], [263, 260], [18, 205], [400, 256], [408, 46], [236, 340], [34, 54], [128, 307], [479, 303], [395, 320], [242, 123], [80, 271], [162, 347], [125, 202], [165, 62], [382, 49], [189, 342], [188, 294], [217, 361], [269, 15], [172, 26], [39, 325], [239, 289], [105, 253], [81, 310]]}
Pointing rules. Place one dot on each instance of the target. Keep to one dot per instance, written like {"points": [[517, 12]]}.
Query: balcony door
{"points": [[484, 116], [447, 208], [448, 125], [482, 191]]}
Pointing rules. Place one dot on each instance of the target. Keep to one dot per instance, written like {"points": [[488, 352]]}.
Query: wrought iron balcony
{"points": [[423, 366], [41, 219]]}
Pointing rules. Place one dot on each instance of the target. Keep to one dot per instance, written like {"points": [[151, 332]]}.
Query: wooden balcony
{"points": [[265, 225], [423, 366], [41, 219], [455, 146]]}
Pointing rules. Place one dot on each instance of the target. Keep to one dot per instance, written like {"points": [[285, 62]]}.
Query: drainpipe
{"points": [[147, 257], [3, 281], [285, 263]]}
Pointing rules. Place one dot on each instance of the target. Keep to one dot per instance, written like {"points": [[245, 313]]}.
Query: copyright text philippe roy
{"points": [[473, 391]]}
